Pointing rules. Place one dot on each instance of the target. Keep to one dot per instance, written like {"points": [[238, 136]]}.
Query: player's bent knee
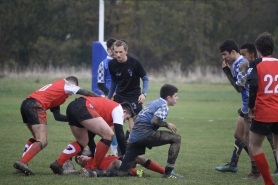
{"points": [[239, 137], [177, 138], [43, 144], [109, 135]]}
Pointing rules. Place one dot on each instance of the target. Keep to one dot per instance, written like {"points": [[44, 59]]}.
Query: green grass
{"points": [[205, 116]]}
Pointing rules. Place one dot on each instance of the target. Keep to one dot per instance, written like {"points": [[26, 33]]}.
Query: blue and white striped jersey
{"points": [[103, 72], [143, 126], [240, 74]]}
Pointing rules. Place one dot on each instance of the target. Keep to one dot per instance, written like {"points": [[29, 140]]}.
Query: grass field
{"points": [[205, 116]]}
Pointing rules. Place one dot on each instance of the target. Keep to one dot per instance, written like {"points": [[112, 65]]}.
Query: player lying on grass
{"points": [[114, 162]]}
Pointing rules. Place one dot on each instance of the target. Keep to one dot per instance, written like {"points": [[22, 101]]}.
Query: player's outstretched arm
{"points": [[57, 115], [87, 93]]}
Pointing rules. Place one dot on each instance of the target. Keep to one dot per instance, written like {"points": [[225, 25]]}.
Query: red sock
{"points": [[72, 149], [133, 171], [31, 152], [262, 165], [27, 145], [100, 152], [155, 167]]}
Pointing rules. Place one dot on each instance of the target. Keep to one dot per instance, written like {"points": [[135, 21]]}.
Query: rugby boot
{"points": [[177, 175], [141, 173], [275, 173], [23, 168], [57, 168], [169, 176], [253, 176], [227, 168]]}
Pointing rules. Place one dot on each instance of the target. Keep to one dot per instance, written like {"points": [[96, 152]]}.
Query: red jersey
{"points": [[266, 103], [105, 108], [105, 163], [55, 94]]}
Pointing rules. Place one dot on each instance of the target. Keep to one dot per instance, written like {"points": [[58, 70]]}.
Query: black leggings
{"points": [[157, 138]]}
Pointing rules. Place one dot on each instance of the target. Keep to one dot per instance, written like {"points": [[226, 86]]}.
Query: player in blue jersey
{"points": [[104, 77], [145, 134], [103, 82], [237, 75]]}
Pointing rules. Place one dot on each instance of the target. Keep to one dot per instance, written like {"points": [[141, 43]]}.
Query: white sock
{"points": [[114, 150]]}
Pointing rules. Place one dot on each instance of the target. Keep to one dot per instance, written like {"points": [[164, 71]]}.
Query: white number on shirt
{"points": [[269, 78], [45, 87]]}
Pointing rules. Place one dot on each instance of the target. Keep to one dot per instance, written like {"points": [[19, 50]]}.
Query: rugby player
{"points": [[33, 111]]}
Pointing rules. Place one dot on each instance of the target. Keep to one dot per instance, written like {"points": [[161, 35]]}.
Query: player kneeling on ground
{"points": [[145, 133]]}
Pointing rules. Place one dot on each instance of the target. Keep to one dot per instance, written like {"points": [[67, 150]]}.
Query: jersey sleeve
{"points": [[140, 70], [252, 80], [100, 73], [242, 73], [70, 88], [118, 115], [162, 112]]}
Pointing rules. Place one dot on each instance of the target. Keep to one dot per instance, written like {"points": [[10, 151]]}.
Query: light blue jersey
{"points": [[143, 126], [240, 78], [103, 72]]}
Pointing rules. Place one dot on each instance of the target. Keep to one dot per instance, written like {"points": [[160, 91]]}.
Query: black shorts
{"points": [[241, 114], [133, 101], [32, 112], [78, 111], [157, 138], [263, 128]]}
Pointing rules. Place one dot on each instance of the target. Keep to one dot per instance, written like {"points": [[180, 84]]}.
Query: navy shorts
{"points": [[263, 128], [133, 101], [79, 110]]}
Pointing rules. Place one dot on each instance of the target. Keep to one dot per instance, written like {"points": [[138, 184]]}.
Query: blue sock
{"points": [[236, 153], [114, 146], [114, 141]]}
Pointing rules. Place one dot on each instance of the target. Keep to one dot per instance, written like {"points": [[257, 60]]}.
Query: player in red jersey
{"points": [[263, 102], [95, 114], [33, 111]]}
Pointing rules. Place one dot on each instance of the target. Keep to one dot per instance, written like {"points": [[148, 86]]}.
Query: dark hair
{"points": [[229, 45], [73, 79], [250, 48], [123, 40], [265, 44], [167, 90], [127, 106], [110, 42]]}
